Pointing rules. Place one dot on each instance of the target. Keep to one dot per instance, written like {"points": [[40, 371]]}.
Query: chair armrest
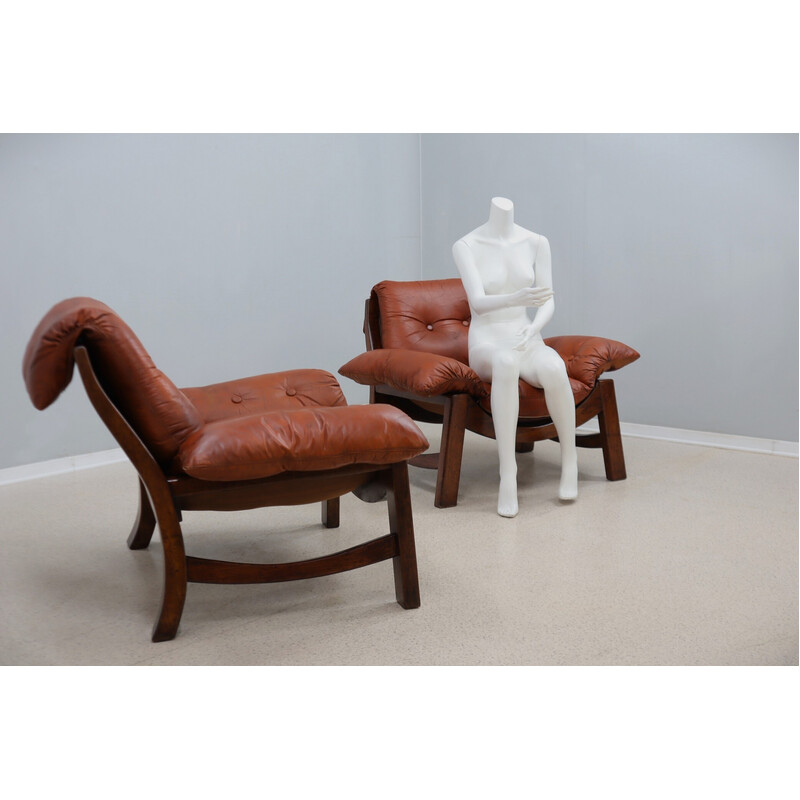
{"points": [[425, 374], [587, 357], [300, 440]]}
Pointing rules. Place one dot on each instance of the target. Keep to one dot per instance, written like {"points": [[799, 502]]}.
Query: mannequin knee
{"points": [[504, 365], [553, 373]]}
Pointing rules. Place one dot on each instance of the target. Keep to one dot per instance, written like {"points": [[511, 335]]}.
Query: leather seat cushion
{"points": [[276, 391], [299, 440]]}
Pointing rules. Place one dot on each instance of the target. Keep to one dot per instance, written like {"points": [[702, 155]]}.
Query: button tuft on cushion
{"points": [[291, 392], [237, 398], [429, 327], [465, 322]]}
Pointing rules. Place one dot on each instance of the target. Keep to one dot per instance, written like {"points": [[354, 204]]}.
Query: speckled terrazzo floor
{"points": [[691, 561]]}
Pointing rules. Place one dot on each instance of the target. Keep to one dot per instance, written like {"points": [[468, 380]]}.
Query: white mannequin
{"points": [[496, 263]]}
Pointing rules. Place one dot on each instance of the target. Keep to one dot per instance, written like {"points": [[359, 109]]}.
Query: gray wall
{"points": [[228, 255], [683, 246], [231, 255]]}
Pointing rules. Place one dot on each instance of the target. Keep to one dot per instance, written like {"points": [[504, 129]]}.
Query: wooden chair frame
{"points": [[162, 498], [458, 412]]}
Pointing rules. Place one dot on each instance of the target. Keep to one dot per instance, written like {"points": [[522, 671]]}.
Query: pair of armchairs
{"points": [[290, 438], [416, 360]]}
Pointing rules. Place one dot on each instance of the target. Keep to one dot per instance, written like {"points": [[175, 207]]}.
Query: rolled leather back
{"points": [[432, 316], [155, 408]]}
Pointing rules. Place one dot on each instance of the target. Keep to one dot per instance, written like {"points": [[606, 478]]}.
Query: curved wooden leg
{"points": [[401, 523], [330, 512], [610, 436], [449, 475], [145, 524], [524, 447], [174, 570]]}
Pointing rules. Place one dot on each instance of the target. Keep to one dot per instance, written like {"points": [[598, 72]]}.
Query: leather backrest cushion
{"points": [[156, 409], [431, 316]]}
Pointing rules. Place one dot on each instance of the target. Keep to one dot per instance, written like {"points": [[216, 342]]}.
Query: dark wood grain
{"points": [[449, 475], [426, 461], [401, 525], [613, 454], [330, 512], [204, 570], [145, 523]]}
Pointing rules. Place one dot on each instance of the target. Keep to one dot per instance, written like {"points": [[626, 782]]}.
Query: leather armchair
{"points": [[416, 360], [278, 439]]}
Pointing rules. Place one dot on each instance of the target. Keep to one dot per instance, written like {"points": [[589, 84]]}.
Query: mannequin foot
{"points": [[568, 488], [507, 505]]}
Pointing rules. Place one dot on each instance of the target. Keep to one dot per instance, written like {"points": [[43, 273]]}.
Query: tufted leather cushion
{"points": [[158, 411], [432, 316], [296, 388], [425, 374], [587, 357], [303, 439]]}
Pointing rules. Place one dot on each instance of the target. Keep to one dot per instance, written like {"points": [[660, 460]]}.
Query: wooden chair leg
{"points": [[145, 524], [451, 451], [330, 512], [524, 447], [401, 523], [610, 435], [174, 569]]}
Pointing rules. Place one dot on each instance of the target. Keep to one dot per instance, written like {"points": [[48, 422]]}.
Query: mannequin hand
{"points": [[531, 296], [527, 335]]}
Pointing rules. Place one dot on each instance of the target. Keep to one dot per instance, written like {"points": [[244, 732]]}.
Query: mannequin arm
{"points": [[544, 280], [479, 301], [543, 315]]}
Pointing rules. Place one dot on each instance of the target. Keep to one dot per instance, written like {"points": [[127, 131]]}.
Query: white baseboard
{"points": [[57, 466], [724, 441]]}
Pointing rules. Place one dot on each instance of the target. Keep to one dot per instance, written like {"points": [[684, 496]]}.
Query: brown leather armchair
{"points": [[416, 360], [285, 438]]}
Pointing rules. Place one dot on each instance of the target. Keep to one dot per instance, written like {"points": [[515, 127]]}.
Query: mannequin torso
{"points": [[504, 267]]}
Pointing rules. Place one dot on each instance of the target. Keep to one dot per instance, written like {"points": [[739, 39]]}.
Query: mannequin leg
{"points": [[545, 368], [505, 414]]}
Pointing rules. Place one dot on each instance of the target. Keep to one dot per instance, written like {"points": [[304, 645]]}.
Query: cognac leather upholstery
{"points": [[426, 374], [295, 388], [250, 428], [424, 331], [431, 316], [300, 440], [159, 412]]}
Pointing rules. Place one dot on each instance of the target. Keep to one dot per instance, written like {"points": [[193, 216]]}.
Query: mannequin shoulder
{"points": [[466, 244], [541, 242], [523, 234]]}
